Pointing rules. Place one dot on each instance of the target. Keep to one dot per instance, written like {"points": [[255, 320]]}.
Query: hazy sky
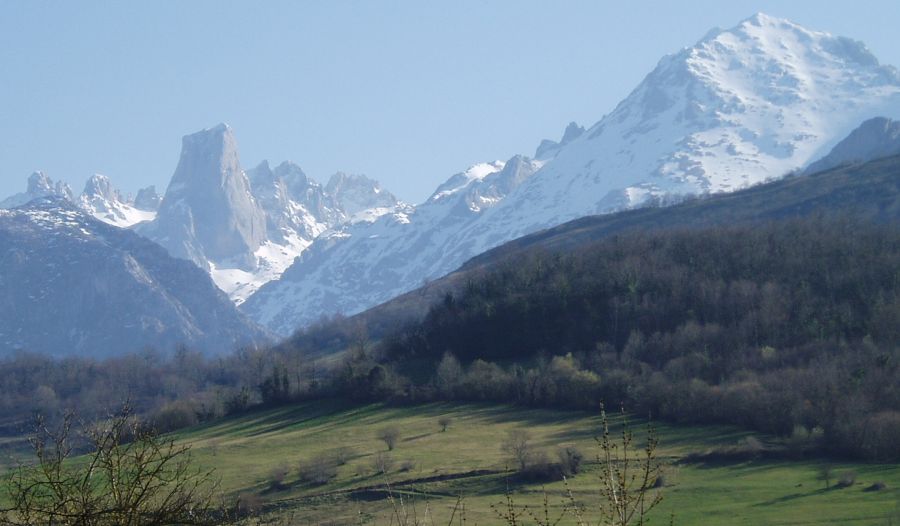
{"points": [[405, 92]]}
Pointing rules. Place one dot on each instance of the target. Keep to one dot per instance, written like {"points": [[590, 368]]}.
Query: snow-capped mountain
{"points": [[104, 202], [39, 185], [246, 228], [71, 284], [740, 107], [359, 198], [368, 262], [875, 138], [100, 199]]}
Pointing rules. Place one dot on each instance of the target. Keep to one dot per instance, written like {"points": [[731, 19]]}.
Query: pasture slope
{"points": [[431, 468]]}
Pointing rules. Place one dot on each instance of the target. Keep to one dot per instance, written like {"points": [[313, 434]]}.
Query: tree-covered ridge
{"points": [[776, 326], [655, 296]]}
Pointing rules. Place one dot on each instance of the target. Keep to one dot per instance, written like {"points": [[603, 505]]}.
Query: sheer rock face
{"points": [[73, 285], [875, 138], [208, 214]]}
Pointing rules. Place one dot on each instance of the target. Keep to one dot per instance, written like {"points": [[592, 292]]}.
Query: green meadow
{"points": [[441, 474]]}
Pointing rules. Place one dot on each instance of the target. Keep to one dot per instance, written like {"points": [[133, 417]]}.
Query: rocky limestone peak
{"points": [[39, 184], [547, 149], [355, 193], [99, 186], [208, 212], [295, 179], [147, 199]]}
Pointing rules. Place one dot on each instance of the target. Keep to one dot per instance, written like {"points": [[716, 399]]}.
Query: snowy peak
{"points": [[359, 197], [493, 187], [99, 199], [294, 204], [462, 180], [39, 185], [741, 106], [103, 201], [295, 180], [875, 138], [98, 186]]}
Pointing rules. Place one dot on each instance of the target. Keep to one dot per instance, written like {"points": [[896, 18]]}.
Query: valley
{"points": [[715, 261]]}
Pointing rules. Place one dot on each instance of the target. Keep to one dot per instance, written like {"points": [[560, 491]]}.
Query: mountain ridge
{"points": [[742, 106], [83, 286]]}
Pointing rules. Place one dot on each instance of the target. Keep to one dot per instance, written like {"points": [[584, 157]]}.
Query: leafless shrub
{"points": [[389, 435], [846, 479], [277, 476], [318, 470], [382, 462], [342, 455], [128, 474]]}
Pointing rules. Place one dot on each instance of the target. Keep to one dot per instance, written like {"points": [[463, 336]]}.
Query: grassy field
{"points": [[432, 468]]}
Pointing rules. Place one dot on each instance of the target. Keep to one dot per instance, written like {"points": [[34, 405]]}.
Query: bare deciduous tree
{"points": [[130, 476], [628, 476], [518, 446], [389, 435]]}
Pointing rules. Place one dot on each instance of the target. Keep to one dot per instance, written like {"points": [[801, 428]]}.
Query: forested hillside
{"points": [[791, 324]]}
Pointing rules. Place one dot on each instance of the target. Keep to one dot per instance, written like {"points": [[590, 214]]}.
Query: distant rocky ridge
{"points": [[39, 185], [104, 202], [73, 285], [243, 227], [99, 199], [369, 262]]}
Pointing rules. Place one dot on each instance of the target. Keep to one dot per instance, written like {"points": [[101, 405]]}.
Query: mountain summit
{"points": [[208, 214], [741, 106]]}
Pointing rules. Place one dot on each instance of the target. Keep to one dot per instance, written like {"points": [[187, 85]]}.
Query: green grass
{"points": [[245, 449]]}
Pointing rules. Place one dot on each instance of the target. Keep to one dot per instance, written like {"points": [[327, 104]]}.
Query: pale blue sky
{"points": [[406, 92]]}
